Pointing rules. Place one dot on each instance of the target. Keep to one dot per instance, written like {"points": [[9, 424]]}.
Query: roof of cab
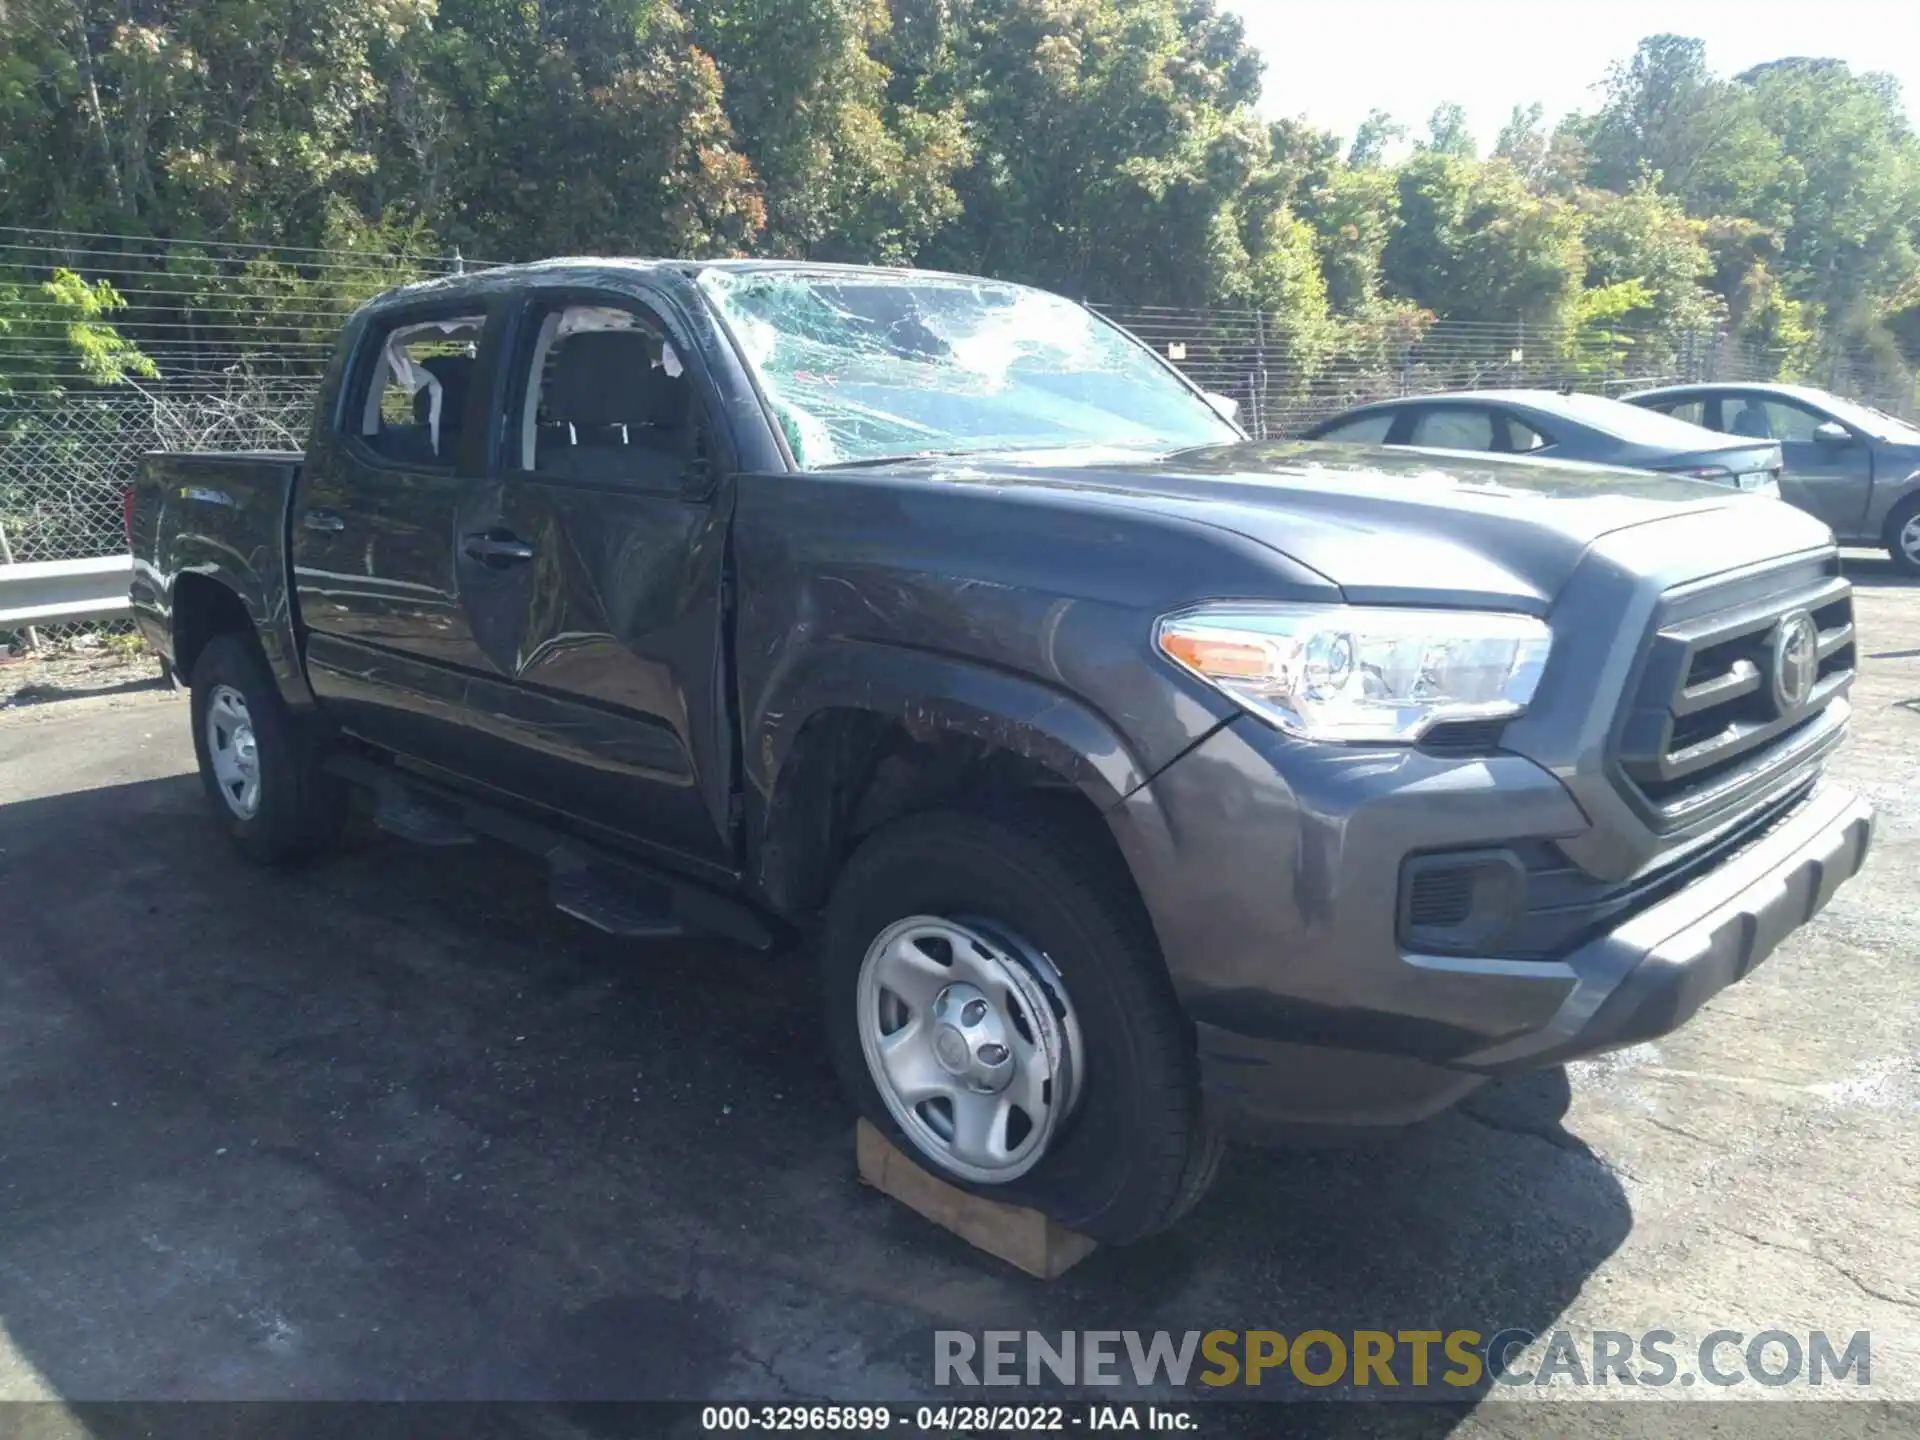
{"points": [[495, 276], [1706, 387]]}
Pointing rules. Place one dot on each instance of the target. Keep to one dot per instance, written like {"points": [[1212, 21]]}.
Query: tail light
{"points": [[126, 512]]}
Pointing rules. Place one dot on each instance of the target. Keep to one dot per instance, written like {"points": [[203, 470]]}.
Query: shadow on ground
{"points": [[41, 694], [388, 1127], [1876, 568]]}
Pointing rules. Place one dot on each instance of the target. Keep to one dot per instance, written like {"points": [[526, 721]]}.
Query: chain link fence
{"points": [[234, 338], [1285, 380], [228, 346], [62, 464]]}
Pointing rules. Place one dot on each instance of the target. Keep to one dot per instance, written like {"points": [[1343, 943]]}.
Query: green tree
{"points": [[1850, 186], [567, 126], [1301, 158], [1473, 243], [1106, 148], [1646, 240], [1111, 143], [1287, 282], [1376, 134], [1809, 174], [1760, 313], [58, 332], [847, 171], [56, 338], [1523, 140], [1903, 322], [1551, 162], [1449, 134], [1354, 213], [1665, 112], [180, 118]]}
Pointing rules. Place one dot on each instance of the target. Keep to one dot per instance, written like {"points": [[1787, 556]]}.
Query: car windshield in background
{"points": [[863, 368]]}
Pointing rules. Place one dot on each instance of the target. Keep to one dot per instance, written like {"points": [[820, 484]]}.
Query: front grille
{"points": [[1736, 695]]}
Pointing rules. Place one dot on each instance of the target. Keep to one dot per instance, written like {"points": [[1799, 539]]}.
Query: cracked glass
{"points": [[861, 369]]}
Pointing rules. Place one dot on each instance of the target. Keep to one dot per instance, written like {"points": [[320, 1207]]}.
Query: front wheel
{"points": [[997, 1005], [1903, 537], [260, 770]]}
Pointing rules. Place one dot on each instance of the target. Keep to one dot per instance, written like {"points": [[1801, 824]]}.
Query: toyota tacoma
{"points": [[1132, 784]]}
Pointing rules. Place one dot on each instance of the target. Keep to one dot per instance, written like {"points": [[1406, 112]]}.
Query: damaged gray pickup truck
{"points": [[1134, 784]]}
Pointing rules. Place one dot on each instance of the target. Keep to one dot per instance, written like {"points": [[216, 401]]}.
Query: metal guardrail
{"points": [[64, 592]]}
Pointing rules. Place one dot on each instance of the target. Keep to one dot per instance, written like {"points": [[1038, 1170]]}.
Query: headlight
{"points": [[1343, 672]]}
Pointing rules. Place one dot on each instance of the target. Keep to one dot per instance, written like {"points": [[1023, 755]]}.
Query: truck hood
{"points": [[1400, 527]]}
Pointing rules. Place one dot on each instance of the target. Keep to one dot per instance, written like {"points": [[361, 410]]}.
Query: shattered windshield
{"points": [[870, 367]]}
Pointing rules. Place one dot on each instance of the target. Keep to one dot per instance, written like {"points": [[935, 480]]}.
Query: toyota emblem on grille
{"points": [[1796, 660]]}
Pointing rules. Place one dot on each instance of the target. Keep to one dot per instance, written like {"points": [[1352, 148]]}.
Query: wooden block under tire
{"points": [[1023, 1238]]}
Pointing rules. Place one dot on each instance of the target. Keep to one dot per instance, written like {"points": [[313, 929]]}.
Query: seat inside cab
{"points": [[612, 405]]}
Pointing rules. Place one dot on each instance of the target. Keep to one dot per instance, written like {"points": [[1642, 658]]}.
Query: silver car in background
{"points": [[1555, 425], [1855, 467]]}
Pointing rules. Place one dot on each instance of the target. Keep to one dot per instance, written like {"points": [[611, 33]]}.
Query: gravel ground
{"points": [[68, 673], [390, 1127]]}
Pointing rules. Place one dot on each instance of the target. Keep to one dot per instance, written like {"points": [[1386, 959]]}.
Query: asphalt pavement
{"points": [[390, 1127]]}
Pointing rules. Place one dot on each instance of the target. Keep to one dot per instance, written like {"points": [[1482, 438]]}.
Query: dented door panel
{"points": [[615, 653]]}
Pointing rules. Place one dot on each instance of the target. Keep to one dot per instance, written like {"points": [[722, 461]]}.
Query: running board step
{"points": [[399, 811], [617, 904], [610, 890]]}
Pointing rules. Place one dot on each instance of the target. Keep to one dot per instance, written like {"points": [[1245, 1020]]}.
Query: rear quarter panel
{"points": [[223, 517]]}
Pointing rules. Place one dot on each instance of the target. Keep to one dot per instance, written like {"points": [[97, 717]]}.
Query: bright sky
{"points": [[1334, 63]]}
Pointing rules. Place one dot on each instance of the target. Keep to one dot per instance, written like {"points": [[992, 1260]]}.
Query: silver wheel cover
{"points": [[971, 1042], [232, 752], [1909, 539]]}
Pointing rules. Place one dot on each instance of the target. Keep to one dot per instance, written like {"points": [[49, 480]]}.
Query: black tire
{"points": [[300, 809], [1138, 1151], [1903, 514]]}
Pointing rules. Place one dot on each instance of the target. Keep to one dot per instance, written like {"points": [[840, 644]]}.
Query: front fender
{"points": [[931, 693], [928, 694]]}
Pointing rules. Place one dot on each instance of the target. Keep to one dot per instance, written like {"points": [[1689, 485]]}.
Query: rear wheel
{"points": [[997, 1005], [1903, 537], [261, 772]]}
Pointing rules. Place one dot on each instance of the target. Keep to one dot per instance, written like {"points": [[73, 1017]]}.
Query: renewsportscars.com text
{"points": [[1386, 1361]]}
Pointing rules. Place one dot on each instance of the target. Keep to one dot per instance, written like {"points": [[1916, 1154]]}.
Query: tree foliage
{"points": [[63, 318], [1806, 176], [1474, 243], [1666, 113], [1106, 148]]}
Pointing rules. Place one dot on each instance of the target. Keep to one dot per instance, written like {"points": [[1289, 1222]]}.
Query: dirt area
{"points": [[85, 667]]}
